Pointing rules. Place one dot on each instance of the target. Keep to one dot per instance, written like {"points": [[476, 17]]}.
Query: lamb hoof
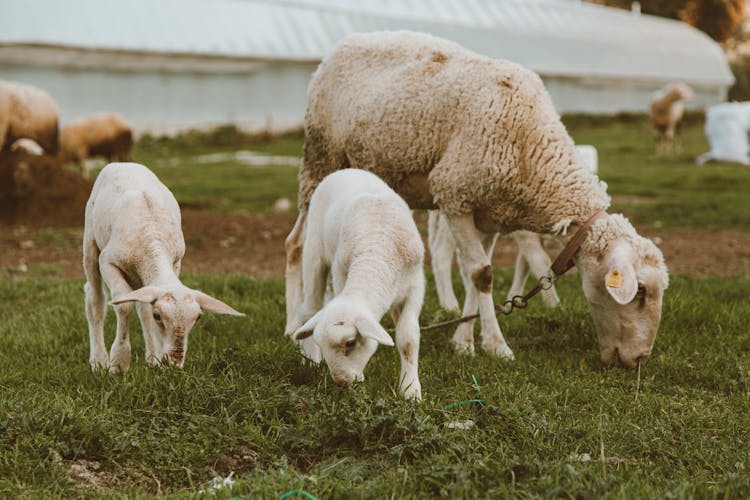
{"points": [[414, 393], [500, 350], [119, 369], [464, 349], [98, 365]]}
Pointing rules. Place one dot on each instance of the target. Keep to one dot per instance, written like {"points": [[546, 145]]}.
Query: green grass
{"points": [[223, 185], [667, 190], [244, 388], [245, 403]]}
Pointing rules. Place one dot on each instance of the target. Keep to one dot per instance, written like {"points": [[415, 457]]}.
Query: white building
{"points": [[170, 64]]}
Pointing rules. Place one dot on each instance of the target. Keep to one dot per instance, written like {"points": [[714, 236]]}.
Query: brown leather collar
{"points": [[564, 261]]}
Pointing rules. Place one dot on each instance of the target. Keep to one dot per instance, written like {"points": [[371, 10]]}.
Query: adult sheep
{"points": [[479, 139], [104, 134], [27, 112]]}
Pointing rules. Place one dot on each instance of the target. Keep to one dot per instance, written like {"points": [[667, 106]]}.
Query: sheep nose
{"points": [[342, 381], [642, 359], [177, 358]]}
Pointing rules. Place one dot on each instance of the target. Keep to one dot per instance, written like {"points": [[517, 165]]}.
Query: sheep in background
{"points": [[105, 134], [727, 126], [480, 140], [27, 112], [531, 253], [133, 244], [361, 235], [667, 108]]}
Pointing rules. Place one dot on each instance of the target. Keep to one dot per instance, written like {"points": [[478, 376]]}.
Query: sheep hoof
{"points": [[500, 350], [99, 364], [461, 348], [414, 393]]}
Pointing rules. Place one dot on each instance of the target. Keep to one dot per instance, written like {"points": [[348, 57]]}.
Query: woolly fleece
{"points": [[449, 128]]}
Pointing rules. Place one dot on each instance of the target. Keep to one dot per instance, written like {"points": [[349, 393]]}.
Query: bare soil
{"points": [[41, 218]]}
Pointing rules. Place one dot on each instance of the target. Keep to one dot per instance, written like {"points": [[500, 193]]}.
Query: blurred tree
{"points": [[718, 18]]}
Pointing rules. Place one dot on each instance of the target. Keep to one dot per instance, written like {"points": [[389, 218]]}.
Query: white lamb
{"points": [[727, 126], [27, 112], [667, 107], [531, 253], [480, 140], [361, 234], [133, 244]]}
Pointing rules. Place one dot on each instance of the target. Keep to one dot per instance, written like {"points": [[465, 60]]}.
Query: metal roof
{"points": [[553, 37]]}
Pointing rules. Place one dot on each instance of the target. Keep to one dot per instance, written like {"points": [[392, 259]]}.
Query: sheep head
{"points": [[172, 311], [624, 285], [347, 335]]}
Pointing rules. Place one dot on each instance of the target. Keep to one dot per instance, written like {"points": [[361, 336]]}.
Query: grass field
{"points": [[554, 423]]}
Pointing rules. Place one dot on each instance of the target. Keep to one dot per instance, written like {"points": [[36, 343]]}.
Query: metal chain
{"points": [[516, 302], [522, 301]]}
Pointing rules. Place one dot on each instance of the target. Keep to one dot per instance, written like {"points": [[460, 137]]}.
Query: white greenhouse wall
{"points": [[273, 97]]}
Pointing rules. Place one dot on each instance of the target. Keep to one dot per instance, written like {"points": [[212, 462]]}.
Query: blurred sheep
{"points": [[105, 134], [27, 112], [667, 108]]}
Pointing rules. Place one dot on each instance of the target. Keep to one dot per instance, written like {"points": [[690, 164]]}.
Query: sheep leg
{"points": [[294, 244], [475, 249], [406, 318], [315, 277], [463, 338], [119, 354], [520, 274], [442, 248], [531, 249], [144, 315], [96, 309]]}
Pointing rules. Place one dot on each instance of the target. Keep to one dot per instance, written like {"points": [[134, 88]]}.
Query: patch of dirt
{"points": [[253, 244], [91, 475], [39, 191], [239, 461]]}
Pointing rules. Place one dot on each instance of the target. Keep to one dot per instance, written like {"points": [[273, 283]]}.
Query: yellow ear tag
{"points": [[614, 279]]}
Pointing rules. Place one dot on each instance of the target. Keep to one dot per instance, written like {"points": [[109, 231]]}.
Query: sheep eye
{"points": [[157, 316], [349, 344]]}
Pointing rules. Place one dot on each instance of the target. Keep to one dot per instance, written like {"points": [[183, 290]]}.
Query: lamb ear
{"points": [[213, 305], [370, 328], [146, 294], [307, 329], [620, 280]]}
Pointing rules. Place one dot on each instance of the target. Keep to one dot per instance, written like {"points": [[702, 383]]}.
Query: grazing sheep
{"points": [[105, 134], [727, 126], [133, 244], [531, 253], [361, 234], [667, 107], [27, 112], [480, 140]]}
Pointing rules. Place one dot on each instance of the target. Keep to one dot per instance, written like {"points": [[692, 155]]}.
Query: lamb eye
{"points": [[157, 316], [349, 344]]}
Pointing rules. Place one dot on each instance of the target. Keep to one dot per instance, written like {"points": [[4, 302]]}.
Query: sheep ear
{"points": [[370, 328], [620, 280], [213, 305], [146, 294], [307, 329]]}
